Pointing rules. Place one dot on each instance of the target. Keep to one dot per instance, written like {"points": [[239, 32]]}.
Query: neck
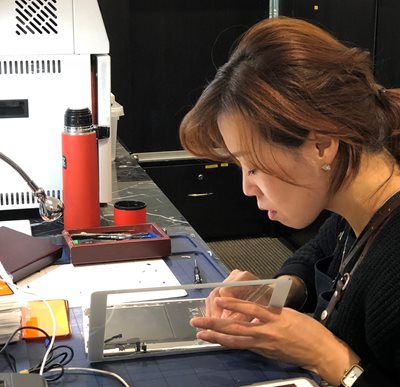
{"points": [[377, 181]]}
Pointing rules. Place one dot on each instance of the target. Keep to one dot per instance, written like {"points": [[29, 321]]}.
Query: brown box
{"points": [[23, 255], [116, 251]]}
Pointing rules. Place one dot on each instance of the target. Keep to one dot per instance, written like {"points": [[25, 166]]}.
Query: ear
{"points": [[325, 147]]}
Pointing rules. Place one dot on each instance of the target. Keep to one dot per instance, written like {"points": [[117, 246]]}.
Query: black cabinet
{"points": [[369, 24], [351, 21], [387, 47], [210, 197], [163, 52]]}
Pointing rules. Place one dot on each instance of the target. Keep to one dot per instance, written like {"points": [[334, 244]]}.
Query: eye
{"points": [[251, 172]]}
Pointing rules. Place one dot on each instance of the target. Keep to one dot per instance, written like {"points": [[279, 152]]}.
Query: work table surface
{"points": [[208, 369]]}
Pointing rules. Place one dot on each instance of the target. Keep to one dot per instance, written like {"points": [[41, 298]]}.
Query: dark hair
{"points": [[287, 77]]}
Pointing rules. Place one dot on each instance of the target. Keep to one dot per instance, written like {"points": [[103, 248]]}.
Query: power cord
{"points": [[96, 371], [54, 360], [53, 319], [51, 362]]}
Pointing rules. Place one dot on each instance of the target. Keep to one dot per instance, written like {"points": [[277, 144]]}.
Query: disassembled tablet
{"points": [[130, 323]]}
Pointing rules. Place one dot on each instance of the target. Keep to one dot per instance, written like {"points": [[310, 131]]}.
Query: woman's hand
{"points": [[259, 294], [282, 334]]}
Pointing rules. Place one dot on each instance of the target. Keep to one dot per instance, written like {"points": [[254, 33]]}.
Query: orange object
{"points": [[128, 212], [80, 180], [37, 314], [5, 290]]}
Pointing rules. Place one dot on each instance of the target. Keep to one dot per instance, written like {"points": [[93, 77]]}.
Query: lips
{"points": [[272, 215]]}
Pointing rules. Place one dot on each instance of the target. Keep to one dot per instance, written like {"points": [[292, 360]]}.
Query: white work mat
{"points": [[77, 283]]}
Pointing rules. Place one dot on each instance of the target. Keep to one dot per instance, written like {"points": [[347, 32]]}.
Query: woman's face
{"points": [[294, 205]]}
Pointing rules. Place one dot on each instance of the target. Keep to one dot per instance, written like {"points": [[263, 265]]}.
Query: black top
{"points": [[80, 118], [367, 317]]}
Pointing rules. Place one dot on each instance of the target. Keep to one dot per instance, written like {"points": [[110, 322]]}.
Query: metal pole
{"points": [[273, 8]]}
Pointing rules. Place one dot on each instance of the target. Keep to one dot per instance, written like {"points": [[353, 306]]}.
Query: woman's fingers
{"points": [[250, 328], [245, 328], [231, 310], [242, 292], [228, 341], [229, 333], [247, 308], [212, 309], [231, 327]]}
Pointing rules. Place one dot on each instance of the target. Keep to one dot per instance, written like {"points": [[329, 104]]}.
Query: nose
{"points": [[248, 187]]}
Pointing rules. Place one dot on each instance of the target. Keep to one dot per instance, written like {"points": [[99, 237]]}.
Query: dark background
{"points": [[163, 52], [370, 24]]}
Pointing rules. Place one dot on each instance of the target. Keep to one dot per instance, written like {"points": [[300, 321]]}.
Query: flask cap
{"points": [[78, 120]]}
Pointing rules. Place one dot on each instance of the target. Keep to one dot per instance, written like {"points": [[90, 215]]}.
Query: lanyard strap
{"points": [[360, 250]]}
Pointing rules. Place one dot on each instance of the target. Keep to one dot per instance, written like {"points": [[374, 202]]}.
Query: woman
{"points": [[303, 117]]}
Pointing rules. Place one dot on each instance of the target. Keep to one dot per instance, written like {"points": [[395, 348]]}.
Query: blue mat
{"points": [[210, 369]]}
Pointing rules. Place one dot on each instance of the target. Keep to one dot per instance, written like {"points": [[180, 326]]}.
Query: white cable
{"points": [[53, 336], [53, 320], [94, 370]]}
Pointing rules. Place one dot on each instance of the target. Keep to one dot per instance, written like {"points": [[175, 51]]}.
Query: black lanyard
{"points": [[359, 250]]}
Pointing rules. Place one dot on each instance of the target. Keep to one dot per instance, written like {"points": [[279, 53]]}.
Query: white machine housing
{"points": [[53, 56]]}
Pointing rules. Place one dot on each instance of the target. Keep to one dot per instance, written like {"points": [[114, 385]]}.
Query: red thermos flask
{"points": [[80, 170]]}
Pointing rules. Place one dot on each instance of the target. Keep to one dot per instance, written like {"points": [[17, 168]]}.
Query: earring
{"points": [[326, 167]]}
